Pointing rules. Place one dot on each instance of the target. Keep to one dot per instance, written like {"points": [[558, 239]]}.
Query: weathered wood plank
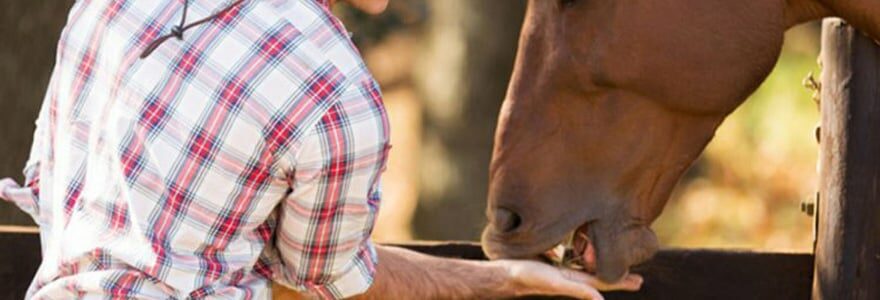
{"points": [[672, 274], [712, 274], [848, 237]]}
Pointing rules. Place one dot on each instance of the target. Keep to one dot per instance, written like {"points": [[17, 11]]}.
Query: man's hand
{"points": [[536, 278]]}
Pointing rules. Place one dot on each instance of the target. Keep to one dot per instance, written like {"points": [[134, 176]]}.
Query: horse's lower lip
{"points": [[584, 248]]}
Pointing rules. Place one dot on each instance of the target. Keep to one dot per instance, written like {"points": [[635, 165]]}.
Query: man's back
{"points": [[168, 176]]}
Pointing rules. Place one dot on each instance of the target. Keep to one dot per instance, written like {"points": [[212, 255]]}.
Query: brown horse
{"points": [[612, 100]]}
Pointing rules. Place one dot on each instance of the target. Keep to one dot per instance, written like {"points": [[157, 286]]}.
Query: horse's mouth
{"points": [[576, 252], [604, 248], [574, 249]]}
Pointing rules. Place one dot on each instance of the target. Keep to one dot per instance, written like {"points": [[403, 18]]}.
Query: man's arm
{"points": [[405, 274], [324, 224]]}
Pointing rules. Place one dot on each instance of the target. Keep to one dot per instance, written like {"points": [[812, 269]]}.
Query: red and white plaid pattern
{"points": [[247, 152]]}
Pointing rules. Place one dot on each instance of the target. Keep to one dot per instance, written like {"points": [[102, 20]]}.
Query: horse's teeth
{"points": [[556, 254]]}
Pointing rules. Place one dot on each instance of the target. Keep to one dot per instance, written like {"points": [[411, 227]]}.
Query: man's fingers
{"points": [[580, 290], [630, 282], [541, 279], [593, 294]]}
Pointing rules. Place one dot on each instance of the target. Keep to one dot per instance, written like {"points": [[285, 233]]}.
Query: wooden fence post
{"points": [[847, 262]]}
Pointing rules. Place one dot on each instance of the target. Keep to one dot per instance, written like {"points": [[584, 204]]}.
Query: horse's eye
{"points": [[567, 3]]}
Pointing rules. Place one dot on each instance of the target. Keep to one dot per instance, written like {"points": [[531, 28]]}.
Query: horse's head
{"points": [[609, 104]]}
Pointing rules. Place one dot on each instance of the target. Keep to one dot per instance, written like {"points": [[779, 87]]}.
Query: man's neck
{"points": [[326, 3]]}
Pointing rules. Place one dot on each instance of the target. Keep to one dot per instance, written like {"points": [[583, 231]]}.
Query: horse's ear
{"points": [[800, 11], [862, 14]]}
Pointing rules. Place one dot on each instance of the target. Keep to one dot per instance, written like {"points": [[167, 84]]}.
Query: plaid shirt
{"points": [[245, 153]]}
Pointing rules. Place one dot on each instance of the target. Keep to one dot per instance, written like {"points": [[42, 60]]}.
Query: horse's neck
{"points": [[863, 14], [800, 11]]}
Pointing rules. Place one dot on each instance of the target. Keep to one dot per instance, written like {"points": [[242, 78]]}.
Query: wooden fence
{"points": [[848, 238]]}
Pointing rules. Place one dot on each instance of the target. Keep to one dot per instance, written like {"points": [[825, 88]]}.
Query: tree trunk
{"points": [[471, 46]]}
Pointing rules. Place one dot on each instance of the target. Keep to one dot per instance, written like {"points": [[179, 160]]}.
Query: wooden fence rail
{"points": [[672, 274]]}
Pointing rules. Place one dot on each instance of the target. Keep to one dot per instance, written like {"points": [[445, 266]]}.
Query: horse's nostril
{"points": [[506, 220]]}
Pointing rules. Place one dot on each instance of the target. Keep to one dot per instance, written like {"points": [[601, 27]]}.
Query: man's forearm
{"points": [[405, 274]]}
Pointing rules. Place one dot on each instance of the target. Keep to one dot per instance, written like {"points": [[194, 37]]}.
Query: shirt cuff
{"points": [[23, 197]]}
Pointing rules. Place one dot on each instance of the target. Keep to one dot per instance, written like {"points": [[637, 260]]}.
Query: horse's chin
{"points": [[617, 248]]}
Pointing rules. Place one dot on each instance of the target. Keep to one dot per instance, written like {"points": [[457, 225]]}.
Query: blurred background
{"points": [[444, 67]]}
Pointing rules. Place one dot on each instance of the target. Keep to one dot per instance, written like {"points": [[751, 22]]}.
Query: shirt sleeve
{"points": [[325, 223]]}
